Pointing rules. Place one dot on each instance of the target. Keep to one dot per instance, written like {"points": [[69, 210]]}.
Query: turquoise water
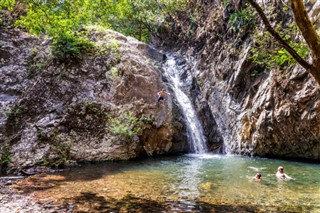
{"points": [[190, 183]]}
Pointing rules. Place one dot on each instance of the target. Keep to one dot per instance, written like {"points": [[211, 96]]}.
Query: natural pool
{"points": [[190, 183]]}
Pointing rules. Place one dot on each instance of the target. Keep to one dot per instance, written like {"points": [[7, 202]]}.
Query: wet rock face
{"points": [[61, 113], [256, 111], [203, 111]]}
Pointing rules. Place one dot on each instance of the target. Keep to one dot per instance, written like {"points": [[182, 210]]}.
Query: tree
{"points": [[131, 17], [308, 32]]}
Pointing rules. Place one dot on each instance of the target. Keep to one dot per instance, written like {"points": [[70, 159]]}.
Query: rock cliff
{"points": [[269, 113], [99, 106]]}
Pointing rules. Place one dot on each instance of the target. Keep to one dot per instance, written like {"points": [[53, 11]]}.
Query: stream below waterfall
{"points": [[189, 183]]}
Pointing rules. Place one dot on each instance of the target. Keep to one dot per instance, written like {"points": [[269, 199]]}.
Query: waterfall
{"points": [[196, 138]]}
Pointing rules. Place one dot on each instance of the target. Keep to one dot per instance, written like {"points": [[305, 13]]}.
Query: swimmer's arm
{"points": [[287, 177]]}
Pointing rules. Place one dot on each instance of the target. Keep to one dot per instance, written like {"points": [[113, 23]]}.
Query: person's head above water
{"points": [[258, 176], [280, 169]]}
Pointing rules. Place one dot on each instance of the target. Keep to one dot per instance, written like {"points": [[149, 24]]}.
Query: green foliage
{"points": [[114, 72], [135, 18], [125, 126], [7, 4], [35, 68], [254, 73], [58, 16], [261, 55], [284, 58], [268, 53], [63, 151], [225, 3], [140, 18], [113, 46], [60, 19], [113, 51], [67, 44], [147, 119], [241, 18], [5, 157], [89, 106], [13, 113], [279, 57], [62, 74]]}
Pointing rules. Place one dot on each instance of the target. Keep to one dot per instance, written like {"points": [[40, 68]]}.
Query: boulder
{"points": [[99, 106]]}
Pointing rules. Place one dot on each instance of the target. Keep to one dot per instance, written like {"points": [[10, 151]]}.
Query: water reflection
{"points": [[194, 183], [188, 177]]}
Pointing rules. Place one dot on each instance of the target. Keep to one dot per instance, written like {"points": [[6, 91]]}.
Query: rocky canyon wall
{"points": [[258, 112]]}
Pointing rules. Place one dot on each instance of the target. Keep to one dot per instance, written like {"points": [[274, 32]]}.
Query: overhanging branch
{"points": [[283, 43]]}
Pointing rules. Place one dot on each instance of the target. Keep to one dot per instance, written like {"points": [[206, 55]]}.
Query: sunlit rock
{"points": [[99, 106]]}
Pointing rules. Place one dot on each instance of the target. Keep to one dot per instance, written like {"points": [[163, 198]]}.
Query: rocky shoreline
{"points": [[13, 201]]}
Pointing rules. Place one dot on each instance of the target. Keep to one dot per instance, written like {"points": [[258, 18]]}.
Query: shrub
{"points": [[68, 45], [5, 157], [125, 126], [241, 18], [13, 113]]}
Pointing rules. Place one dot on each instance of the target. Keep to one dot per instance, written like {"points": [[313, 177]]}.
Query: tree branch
{"points": [[285, 45]]}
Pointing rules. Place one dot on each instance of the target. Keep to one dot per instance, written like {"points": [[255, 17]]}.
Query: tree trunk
{"points": [[306, 28], [315, 71], [310, 35]]}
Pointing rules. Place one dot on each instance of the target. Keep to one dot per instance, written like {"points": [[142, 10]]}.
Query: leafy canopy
{"points": [[131, 17], [63, 20], [7, 4]]}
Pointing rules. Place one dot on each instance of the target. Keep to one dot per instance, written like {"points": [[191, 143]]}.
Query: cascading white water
{"points": [[195, 131]]}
